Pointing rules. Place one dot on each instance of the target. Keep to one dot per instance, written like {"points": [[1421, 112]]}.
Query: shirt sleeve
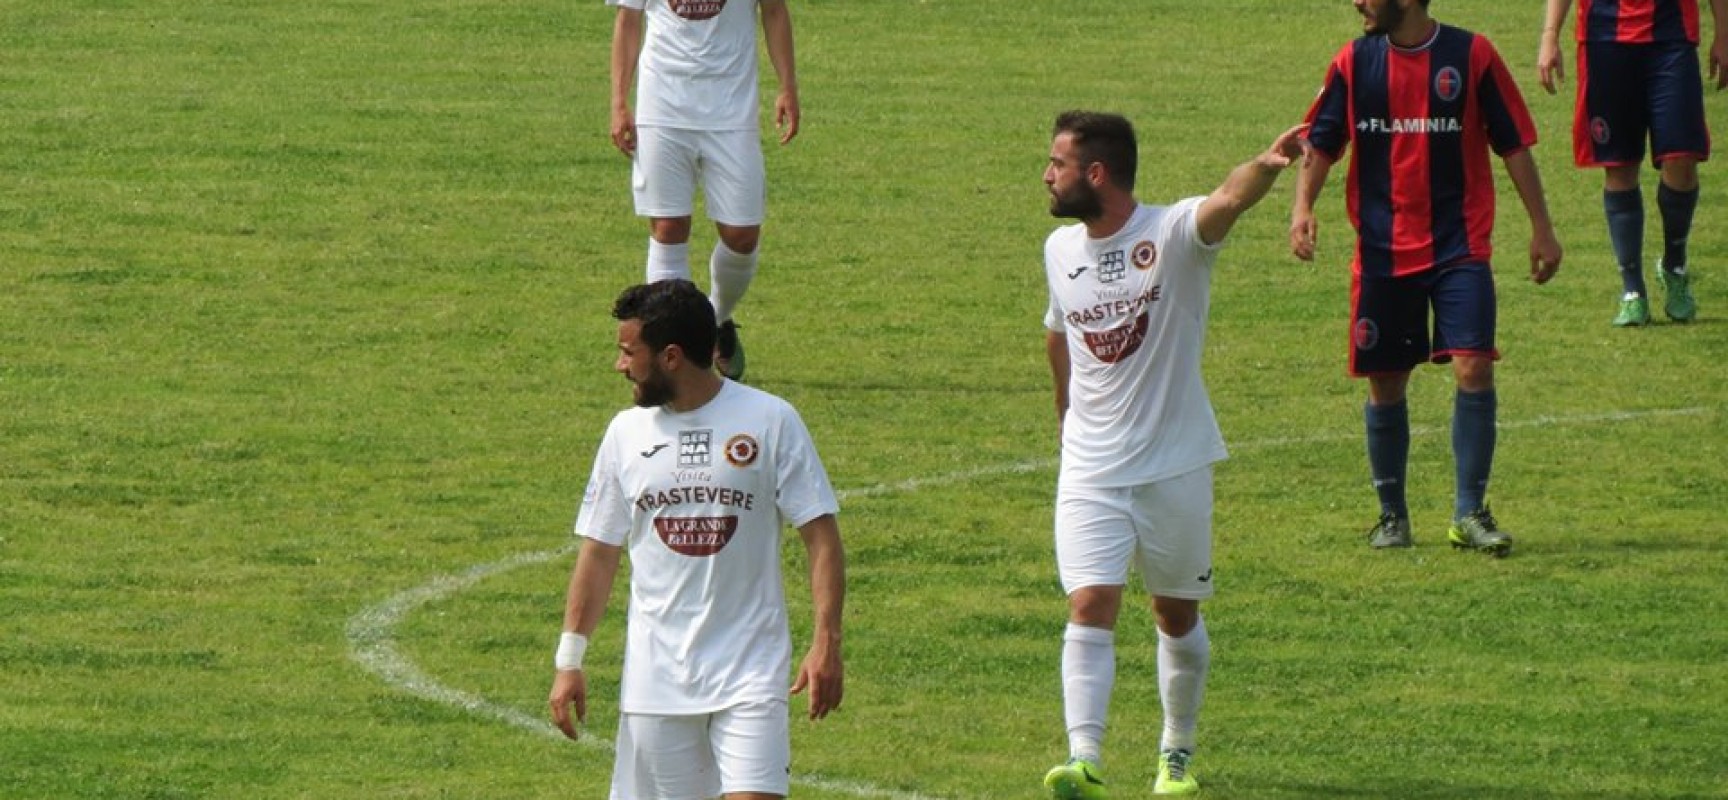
{"points": [[605, 511], [1329, 117], [1052, 311], [804, 492], [1507, 119]]}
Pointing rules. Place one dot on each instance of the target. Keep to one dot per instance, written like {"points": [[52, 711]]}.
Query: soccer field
{"points": [[307, 350]]}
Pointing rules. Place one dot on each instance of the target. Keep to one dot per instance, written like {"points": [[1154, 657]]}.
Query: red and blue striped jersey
{"points": [[1638, 21], [1423, 120]]}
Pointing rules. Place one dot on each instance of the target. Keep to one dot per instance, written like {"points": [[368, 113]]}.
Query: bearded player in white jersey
{"points": [[696, 482], [693, 63], [1129, 290]]}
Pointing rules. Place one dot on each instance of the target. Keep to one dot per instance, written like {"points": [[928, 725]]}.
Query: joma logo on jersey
{"points": [[1411, 125], [1112, 266], [696, 448]]}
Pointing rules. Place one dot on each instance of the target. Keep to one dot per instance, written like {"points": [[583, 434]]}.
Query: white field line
{"points": [[372, 638]]}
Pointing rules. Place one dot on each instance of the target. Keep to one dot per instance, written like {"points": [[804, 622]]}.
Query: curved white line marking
{"points": [[371, 632]]}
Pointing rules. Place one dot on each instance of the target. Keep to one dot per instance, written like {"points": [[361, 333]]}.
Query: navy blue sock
{"points": [[1676, 207], [1626, 232], [1389, 454], [1473, 447]]}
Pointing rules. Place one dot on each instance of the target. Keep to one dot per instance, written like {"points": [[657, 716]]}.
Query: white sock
{"points": [[1182, 665], [1088, 676], [730, 275], [667, 261]]}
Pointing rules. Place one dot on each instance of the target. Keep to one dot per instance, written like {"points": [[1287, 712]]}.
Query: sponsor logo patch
{"points": [[698, 537], [1116, 344], [696, 448], [696, 9]]}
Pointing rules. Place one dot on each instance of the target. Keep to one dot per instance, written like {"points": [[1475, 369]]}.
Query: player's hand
{"points": [[825, 677], [1719, 60], [1550, 66], [624, 131], [786, 115], [1545, 256], [1289, 145], [569, 687], [1304, 232]]}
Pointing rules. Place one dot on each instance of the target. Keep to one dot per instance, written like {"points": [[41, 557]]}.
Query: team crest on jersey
{"points": [[698, 537], [1112, 267], [697, 9], [1447, 83], [696, 448], [1599, 130], [741, 450], [1366, 334], [1143, 255]]}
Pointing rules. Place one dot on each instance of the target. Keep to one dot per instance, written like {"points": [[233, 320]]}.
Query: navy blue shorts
{"points": [[1629, 91], [1389, 318]]}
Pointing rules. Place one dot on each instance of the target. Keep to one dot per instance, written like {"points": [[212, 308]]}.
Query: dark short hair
{"points": [[1104, 138], [671, 312]]}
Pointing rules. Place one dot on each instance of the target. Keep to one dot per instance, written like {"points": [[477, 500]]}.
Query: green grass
{"points": [[306, 318]]}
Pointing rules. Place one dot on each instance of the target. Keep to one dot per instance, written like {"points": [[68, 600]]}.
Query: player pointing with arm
{"points": [[1129, 291]]}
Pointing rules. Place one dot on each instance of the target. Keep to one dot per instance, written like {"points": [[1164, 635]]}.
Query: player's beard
{"points": [[1386, 20], [1080, 202], [653, 390]]}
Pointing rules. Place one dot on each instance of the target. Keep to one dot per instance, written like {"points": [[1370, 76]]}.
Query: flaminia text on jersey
{"points": [[1411, 125], [697, 495], [1115, 309]]}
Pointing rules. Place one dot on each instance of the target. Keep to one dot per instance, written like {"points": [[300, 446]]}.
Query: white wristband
{"points": [[571, 648]]}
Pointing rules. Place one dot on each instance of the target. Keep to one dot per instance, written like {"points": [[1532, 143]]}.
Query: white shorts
{"points": [[1164, 528], [745, 748], [671, 161]]}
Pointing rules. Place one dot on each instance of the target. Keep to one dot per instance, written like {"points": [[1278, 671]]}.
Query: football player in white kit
{"points": [[1129, 288], [693, 63], [696, 482]]}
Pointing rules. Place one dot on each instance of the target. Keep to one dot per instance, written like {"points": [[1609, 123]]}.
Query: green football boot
{"points": [[1634, 311], [1478, 531], [1078, 779], [1677, 300], [1391, 531], [1173, 774]]}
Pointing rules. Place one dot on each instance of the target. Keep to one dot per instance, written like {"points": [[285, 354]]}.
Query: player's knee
{"points": [[1176, 617], [1095, 606], [740, 239], [669, 230], [1474, 374]]}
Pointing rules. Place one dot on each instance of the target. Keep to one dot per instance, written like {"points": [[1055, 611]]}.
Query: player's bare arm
{"points": [[777, 35], [1545, 252], [585, 603], [1719, 43], [1246, 185], [1056, 350], [1550, 64], [1304, 228], [626, 48], [823, 671]]}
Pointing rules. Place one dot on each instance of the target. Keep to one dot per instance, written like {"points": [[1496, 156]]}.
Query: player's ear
{"points": [[1097, 174], [670, 357]]}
